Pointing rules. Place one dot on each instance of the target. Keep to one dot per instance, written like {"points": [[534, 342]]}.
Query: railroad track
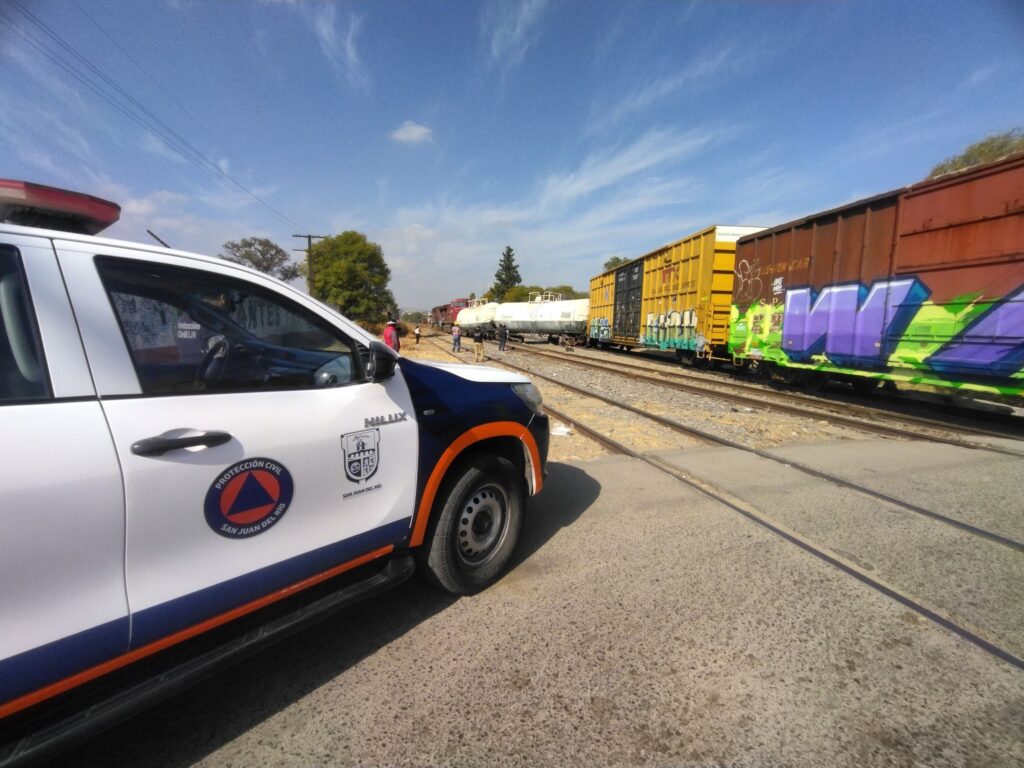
{"points": [[914, 427], [826, 402], [966, 424], [934, 613]]}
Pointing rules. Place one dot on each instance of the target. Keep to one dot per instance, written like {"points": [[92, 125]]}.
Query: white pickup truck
{"points": [[198, 459]]}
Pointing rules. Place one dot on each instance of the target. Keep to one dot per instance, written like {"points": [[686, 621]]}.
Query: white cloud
{"points": [[337, 43], [157, 146], [41, 119], [982, 75], [618, 200], [163, 202], [170, 214], [510, 30], [606, 168], [412, 133], [701, 72]]}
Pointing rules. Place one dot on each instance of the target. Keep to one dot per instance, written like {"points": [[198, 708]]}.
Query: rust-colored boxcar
{"points": [[923, 284]]}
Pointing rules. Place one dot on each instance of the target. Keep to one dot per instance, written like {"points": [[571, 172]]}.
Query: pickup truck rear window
{"points": [[22, 367]]}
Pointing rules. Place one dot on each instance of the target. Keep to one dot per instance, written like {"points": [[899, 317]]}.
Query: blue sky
{"points": [[571, 130]]}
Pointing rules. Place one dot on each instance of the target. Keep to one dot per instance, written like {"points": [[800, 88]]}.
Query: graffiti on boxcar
{"points": [[600, 329], [849, 323], [993, 342], [670, 329], [890, 326], [748, 281]]}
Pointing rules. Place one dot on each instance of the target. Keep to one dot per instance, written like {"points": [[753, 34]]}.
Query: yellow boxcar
{"points": [[684, 301], [602, 305]]}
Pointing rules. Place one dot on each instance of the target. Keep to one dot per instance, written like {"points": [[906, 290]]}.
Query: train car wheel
{"points": [[864, 386], [816, 382]]}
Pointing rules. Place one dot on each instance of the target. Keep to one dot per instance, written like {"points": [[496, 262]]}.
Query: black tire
{"points": [[473, 534]]}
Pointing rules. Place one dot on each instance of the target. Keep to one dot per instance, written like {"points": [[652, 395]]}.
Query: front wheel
{"points": [[472, 537]]}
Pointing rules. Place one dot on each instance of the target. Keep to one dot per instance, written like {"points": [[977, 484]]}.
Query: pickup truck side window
{"points": [[22, 368], [190, 332]]}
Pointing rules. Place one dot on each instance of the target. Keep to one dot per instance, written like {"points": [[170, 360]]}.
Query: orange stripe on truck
{"points": [[49, 691], [463, 441]]}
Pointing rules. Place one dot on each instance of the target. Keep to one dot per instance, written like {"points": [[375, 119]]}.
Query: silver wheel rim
{"points": [[482, 523]]}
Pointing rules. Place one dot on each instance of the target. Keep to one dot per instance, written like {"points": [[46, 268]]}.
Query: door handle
{"points": [[159, 445]]}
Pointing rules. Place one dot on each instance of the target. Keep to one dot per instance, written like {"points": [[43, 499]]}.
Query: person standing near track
{"points": [[456, 338], [391, 336], [478, 345], [502, 337], [416, 333]]}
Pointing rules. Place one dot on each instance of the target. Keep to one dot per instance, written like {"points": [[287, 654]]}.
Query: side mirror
{"points": [[382, 362]]}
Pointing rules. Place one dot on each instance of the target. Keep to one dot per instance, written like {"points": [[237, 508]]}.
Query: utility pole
{"points": [[309, 261]]}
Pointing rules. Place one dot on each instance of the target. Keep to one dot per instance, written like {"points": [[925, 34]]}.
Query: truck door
{"points": [[255, 452], [62, 591]]}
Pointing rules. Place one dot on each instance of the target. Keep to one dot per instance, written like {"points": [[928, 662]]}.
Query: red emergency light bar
{"points": [[36, 205]]}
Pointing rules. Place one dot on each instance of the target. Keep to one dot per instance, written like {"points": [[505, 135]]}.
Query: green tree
{"points": [[614, 261], [521, 292], [567, 291], [516, 293], [349, 272], [262, 254], [414, 317], [507, 275], [992, 147], [472, 295]]}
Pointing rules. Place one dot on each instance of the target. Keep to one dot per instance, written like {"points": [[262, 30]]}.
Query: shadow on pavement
{"points": [[568, 493], [187, 727]]}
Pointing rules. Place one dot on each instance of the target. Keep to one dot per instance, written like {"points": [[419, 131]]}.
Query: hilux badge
{"points": [[380, 421], [361, 451]]}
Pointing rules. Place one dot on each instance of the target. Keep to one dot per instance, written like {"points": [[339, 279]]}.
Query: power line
{"points": [[144, 71], [127, 104]]}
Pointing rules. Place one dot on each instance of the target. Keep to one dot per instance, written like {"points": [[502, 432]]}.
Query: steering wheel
{"points": [[214, 361]]}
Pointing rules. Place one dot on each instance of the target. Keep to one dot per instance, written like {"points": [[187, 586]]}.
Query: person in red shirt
{"points": [[391, 336]]}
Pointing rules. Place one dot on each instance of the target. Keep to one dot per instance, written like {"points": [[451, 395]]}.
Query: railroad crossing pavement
{"points": [[972, 580], [643, 625]]}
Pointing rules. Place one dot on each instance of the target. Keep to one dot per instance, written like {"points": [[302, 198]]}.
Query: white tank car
{"points": [[545, 316], [565, 318], [479, 314], [514, 315]]}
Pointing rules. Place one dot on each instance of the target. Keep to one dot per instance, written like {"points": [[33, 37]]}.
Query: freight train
{"points": [[678, 297], [443, 316], [922, 284], [479, 314], [543, 314]]}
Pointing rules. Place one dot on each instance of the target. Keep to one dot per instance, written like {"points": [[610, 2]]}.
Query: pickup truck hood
{"points": [[481, 373]]}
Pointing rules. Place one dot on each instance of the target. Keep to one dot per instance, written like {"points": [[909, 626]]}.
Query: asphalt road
{"points": [[643, 624]]}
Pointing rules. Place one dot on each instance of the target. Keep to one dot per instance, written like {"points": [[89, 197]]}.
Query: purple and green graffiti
{"points": [[890, 330]]}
